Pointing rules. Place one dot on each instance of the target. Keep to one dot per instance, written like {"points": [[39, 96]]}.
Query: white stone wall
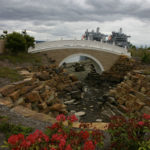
{"points": [[79, 44]]}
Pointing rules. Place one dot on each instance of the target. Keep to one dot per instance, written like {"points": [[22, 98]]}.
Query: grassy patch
{"points": [[146, 72], [10, 74], [22, 58], [143, 54]]}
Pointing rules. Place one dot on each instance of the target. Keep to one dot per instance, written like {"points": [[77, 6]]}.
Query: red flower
{"points": [[146, 116], [61, 117], [72, 118], [46, 138], [56, 137], [88, 145], [84, 134], [14, 139], [52, 148], [31, 138], [55, 126], [68, 147], [141, 123], [62, 143], [25, 143]]}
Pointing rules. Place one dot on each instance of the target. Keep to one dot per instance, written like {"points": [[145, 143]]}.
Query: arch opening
{"points": [[83, 58]]}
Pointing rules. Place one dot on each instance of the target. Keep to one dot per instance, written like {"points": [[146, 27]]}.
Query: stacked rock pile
{"points": [[133, 94], [41, 92], [119, 70]]}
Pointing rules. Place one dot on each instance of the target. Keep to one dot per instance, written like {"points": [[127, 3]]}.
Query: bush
{"points": [[143, 54], [129, 133], [58, 137], [146, 57], [17, 42]]}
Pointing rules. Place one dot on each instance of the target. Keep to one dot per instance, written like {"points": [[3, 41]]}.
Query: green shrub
{"points": [[15, 42], [128, 133], [143, 54], [8, 129], [146, 57]]}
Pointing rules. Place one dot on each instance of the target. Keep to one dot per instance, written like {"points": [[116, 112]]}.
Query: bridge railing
{"points": [[79, 44]]}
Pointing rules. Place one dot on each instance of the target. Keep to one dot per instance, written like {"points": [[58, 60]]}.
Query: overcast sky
{"points": [[68, 19]]}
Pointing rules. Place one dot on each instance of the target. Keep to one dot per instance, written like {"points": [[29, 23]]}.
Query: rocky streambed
{"points": [[78, 90], [90, 106], [93, 103]]}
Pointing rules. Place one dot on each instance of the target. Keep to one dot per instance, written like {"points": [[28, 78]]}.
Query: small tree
{"points": [[17, 42], [3, 36], [29, 40]]}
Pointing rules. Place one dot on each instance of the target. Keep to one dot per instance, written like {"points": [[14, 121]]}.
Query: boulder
{"points": [[57, 107], [138, 105], [6, 101], [6, 90], [73, 78], [15, 95], [33, 96], [43, 75], [20, 101], [26, 89]]}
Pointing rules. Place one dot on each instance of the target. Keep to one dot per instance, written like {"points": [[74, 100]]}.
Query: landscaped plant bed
{"points": [[127, 133]]}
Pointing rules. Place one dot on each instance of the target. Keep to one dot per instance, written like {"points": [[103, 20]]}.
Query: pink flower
{"points": [[146, 116], [141, 123], [72, 118], [61, 117]]}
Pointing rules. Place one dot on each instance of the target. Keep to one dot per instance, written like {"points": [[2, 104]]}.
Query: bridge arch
{"points": [[98, 66]]}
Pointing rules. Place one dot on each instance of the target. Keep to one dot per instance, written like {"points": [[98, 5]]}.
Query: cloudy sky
{"points": [[68, 19]]}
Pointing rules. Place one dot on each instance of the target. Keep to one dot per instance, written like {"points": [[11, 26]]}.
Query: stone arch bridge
{"points": [[104, 55]]}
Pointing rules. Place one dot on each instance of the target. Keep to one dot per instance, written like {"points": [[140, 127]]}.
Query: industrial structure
{"points": [[116, 38], [94, 36]]}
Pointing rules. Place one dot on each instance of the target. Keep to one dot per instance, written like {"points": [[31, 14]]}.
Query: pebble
{"points": [[69, 102], [72, 111], [85, 89], [98, 120], [80, 113], [76, 103], [99, 103]]}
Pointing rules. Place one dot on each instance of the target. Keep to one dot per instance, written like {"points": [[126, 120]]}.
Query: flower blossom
{"points": [[146, 116], [141, 123], [61, 117], [72, 118], [88, 145]]}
